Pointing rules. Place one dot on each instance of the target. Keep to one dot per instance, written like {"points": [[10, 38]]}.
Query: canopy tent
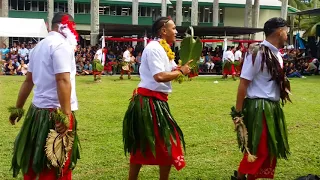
{"points": [[22, 27]]}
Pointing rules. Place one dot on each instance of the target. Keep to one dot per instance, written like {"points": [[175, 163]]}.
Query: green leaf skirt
{"points": [[97, 66], [31, 140], [147, 120], [254, 110]]}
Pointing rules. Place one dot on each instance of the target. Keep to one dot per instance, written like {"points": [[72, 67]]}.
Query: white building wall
{"points": [[235, 17]]}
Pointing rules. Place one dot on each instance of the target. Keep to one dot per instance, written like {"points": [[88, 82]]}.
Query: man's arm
{"points": [[64, 92], [25, 90], [169, 76], [166, 76], [242, 92], [62, 58]]}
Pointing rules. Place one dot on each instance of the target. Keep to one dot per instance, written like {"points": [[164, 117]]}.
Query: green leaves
{"points": [[190, 49]]}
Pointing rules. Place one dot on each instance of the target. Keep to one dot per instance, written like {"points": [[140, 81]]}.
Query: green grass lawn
{"points": [[201, 108]]}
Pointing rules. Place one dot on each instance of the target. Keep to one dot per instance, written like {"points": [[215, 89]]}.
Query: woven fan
{"points": [[57, 147]]}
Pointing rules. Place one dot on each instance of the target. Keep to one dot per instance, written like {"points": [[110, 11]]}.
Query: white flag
{"points": [[102, 46]]}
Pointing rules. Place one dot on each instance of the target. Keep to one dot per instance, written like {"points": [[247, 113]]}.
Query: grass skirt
{"points": [[29, 146], [97, 66], [150, 134], [277, 135]]}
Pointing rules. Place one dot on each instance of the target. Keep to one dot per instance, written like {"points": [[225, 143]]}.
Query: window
{"points": [[13, 4], [206, 14], [221, 15], [113, 10], [143, 11], [41, 5], [171, 11], [87, 8], [118, 10], [56, 7], [21, 5], [156, 12], [34, 5], [149, 12], [125, 11], [81, 9], [27, 5], [186, 13]]}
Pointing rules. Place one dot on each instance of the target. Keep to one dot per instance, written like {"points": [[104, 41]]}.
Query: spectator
{"points": [[79, 68], [292, 72], [14, 47], [16, 62], [138, 61], [209, 63], [87, 68], [10, 68], [23, 53], [201, 62], [4, 50], [14, 55], [22, 68]]}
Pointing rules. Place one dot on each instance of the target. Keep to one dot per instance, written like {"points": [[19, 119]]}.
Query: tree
{"points": [[248, 14]]}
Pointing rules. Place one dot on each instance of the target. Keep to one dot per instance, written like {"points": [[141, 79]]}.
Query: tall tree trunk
{"points": [[50, 13], [315, 3], [194, 13], [248, 14], [284, 9], [215, 13], [163, 8], [71, 7], [94, 22], [5, 8], [4, 13], [135, 9], [179, 12], [255, 16]]}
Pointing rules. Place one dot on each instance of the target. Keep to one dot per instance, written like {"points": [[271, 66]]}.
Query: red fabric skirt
{"points": [[96, 72], [264, 166], [231, 71], [162, 157]]}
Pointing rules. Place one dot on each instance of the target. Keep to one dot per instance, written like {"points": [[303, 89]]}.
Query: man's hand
{"points": [[61, 128], [13, 118], [186, 68]]}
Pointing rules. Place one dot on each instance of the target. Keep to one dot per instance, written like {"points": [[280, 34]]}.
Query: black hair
{"points": [[238, 48], [58, 17], [273, 24], [158, 24]]}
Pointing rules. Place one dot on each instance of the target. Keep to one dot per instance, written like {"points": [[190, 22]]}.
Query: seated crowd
{"points": [[297, 64], [14, 60]]}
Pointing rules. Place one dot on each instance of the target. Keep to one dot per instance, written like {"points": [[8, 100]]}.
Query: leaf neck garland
{"points": [[171, 55]]}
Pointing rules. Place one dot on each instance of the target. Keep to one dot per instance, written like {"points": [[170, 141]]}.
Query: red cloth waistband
{"points": [[149, 93]]}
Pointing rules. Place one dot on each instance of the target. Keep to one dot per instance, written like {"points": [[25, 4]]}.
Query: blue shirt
{"points": [[4, 52], [86, 67]]}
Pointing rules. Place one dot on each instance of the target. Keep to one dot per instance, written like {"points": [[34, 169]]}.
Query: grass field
{"points": [[201, 108]]}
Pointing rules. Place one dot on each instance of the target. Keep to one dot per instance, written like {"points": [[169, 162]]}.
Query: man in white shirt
{"points": [[148, 114], [98, 64], [262, 85], [238, 60], [23, 53], [52, 71], [228, 63], [126, 63]]}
